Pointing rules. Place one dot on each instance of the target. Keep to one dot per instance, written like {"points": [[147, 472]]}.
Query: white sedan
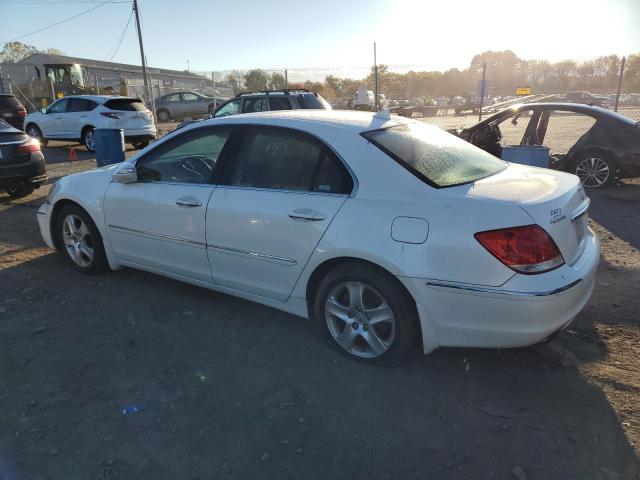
{"points": [[388, 233]]}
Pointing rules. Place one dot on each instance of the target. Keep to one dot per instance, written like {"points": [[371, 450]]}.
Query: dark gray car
{"points": [[180, 105], [287, 99]]}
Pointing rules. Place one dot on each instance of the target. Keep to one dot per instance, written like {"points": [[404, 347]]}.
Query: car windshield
{"points": [[433, 155]]}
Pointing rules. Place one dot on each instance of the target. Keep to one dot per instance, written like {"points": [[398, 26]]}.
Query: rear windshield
{"points": [[434, 155], [126, 104], [9, 101], [311, 101]]}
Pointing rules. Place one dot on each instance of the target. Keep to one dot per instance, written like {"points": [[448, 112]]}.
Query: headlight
{"points": [[52, 191]]}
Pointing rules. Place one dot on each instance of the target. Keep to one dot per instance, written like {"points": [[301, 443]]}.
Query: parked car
{"points": [[74, 118], [389, 233], [606, 144], [11, 110], [287, 99], [588, 99], [179, 105], [22, 166]]}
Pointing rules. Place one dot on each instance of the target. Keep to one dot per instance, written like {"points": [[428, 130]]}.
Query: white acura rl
{"points": [[387, 232]]}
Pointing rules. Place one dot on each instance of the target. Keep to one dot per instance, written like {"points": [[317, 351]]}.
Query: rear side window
{"points": [[312, 101], [80, 105], [9, 101], [433, 155], [126, 104], [279, 103], [283, 159]]}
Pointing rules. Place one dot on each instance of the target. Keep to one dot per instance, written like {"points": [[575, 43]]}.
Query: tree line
{"points": [[505, 71]]}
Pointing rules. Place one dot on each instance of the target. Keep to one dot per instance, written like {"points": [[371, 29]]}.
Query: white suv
{"points": [[76, 116]]}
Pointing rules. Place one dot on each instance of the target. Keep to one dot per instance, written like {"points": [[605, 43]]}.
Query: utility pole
{"points": [[375, 71], [142, 56], [615, 108], [482, 89]]}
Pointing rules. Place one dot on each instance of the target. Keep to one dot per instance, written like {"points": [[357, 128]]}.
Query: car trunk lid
{"points": [[554, 200]]}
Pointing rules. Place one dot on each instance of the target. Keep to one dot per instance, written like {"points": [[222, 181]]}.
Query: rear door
{"points": [[77, 115], [276, 197]]}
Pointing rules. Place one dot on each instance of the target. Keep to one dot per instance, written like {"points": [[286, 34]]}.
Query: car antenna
{"points": [[383, 114]]}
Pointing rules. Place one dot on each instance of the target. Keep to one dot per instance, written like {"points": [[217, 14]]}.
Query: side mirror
{"points": [[43, 110], [125, 174]]}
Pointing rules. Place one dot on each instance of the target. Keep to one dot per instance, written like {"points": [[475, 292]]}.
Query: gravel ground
{"points": [[231, 389]]}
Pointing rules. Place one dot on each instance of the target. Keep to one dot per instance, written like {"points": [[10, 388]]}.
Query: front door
{"points": [[277, 195], [158, 222], [52, 123]]}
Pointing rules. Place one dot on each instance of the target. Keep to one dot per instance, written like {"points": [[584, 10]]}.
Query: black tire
{"points": [[87, 139], [20, 191], [164, 115], [140, 145], [595, 162], [34, 132], [98, 262], [406, 338]]}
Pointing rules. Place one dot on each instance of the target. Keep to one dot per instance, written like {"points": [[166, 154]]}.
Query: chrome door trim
{"points": [[513, 293], [157, 235], [255, 255], [581, 210]]}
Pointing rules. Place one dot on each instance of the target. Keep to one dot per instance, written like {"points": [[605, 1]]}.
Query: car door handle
{"points": [[188, 202], [306, 214]]}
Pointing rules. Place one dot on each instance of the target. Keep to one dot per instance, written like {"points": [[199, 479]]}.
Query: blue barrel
{"points": [[109, 143], [533, 155]]}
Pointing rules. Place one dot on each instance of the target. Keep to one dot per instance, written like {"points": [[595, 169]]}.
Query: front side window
{"points": [[189, 158], [230, 108], [59, 107], [434, 155], [283, 159], [173, 98], [513, 128]]}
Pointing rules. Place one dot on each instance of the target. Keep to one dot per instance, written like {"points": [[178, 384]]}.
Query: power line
{"points": [[62, 21], [124, 32]]}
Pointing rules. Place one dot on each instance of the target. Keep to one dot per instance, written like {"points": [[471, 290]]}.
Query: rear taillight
{"points": [[29, 146], [22, 112], [115, 115], [527, 249]]}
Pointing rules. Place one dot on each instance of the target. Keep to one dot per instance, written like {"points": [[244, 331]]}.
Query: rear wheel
{"points": [[87, 139], [163, 116], [595, 170], [366, 315], [79, 239], [140, 145], [20, 191]]}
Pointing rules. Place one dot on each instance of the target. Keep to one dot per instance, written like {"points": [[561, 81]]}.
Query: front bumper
{"points": [[44, 223], [523, 311]]}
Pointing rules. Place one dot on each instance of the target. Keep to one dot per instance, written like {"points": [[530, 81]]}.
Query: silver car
{"points": [[179, 105]]}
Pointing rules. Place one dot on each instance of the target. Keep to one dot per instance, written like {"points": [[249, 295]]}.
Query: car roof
{"points": [[101, 98], [344, 119]]}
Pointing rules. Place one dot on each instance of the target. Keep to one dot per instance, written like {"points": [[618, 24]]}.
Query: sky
{"points": [[207, 35]]}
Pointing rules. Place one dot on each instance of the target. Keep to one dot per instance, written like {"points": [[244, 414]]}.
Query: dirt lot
{"points": [[231, 389]]}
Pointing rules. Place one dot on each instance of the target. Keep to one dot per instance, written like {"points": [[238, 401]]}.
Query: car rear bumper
{"points": [[139, 134], [44, 222], [523, 311], [32, 171]]}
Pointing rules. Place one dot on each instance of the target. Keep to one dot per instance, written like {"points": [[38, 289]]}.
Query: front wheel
{"points": [[79, 239], [365, 314], [595, 170]]}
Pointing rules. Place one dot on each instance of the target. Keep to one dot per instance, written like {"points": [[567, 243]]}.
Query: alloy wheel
{"points": [[34, 132], [77, 240], [89, 142], [360, 319], [593, 172]]}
